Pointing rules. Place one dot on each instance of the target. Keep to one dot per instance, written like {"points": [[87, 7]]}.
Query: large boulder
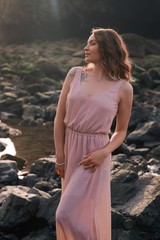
{"points": [[139, 46], [48, 208], [117, 219], [33, 112], [136, 195], [8, 172], [137, 118], [6, 131], [21, 163], [50, 112], [144, 206], [11, 105], [44, 167], [17, 206], [44, 233], [145, 132], [145, 80], [154, 153], [49, 69]]}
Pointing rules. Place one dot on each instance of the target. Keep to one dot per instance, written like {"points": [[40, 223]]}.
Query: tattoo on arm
{"points": [[84, 77]]}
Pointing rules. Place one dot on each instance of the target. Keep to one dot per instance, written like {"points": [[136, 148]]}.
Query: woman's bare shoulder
{"points": [[126, 85], [126, 88], [73, 71]]}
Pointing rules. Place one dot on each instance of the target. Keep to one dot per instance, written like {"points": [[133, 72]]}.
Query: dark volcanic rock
{"points": [[8, 172], [145, 132], [30, 180], [33, 112], [44, 167], [136, 117], [144, 207], [139, 46], [12, 106], [44, 186], [145, 80], [49, 69], [155, 153], [6, 131], [17, 206], [117, 219], [48, 208], [37, 87], [21, 163], [44, 233], [50, 112]]}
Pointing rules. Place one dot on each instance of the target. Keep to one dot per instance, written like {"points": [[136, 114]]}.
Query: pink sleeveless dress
{"points": [[84, 211]]}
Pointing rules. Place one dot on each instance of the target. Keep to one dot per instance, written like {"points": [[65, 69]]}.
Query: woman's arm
{"points": [[59, 127]]}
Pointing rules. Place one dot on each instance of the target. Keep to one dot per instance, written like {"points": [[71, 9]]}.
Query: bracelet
{"points": [[60, 164]]}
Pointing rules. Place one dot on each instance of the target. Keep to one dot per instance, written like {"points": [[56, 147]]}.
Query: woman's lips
{"points": [[86, 54]]}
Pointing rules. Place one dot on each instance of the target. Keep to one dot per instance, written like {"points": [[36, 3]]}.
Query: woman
{"points": [[90, 99]]}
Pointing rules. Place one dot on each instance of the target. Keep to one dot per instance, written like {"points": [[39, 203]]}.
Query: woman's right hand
{"points": [[60, 169]]}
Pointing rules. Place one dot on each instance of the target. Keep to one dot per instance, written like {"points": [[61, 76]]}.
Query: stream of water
{"points": [[34, 143]]}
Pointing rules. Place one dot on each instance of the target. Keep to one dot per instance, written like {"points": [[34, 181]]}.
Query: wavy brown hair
{"points": [[114, 54]]}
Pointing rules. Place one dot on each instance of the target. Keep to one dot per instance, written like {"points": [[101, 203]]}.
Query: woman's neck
{"points": [[96, 70]]}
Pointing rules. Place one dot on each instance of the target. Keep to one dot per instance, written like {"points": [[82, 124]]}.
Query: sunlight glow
{"points": [[54, 5]]}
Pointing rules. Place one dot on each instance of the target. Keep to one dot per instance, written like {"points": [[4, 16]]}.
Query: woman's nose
{"points": [[86, 47]]}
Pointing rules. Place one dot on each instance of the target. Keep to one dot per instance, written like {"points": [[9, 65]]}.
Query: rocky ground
{"points": [[31, 77]]}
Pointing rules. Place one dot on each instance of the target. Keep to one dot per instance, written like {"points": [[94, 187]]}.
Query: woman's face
{"points": [[92, 54]]}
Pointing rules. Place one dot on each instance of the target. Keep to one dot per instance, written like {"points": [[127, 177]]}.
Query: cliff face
{"points": [[23, 21], [126, 15]]}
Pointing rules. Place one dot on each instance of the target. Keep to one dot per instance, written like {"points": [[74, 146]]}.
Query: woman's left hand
{"points": [[93, 160]]}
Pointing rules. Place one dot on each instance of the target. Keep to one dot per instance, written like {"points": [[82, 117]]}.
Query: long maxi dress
{"points": [[84, 211]]}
